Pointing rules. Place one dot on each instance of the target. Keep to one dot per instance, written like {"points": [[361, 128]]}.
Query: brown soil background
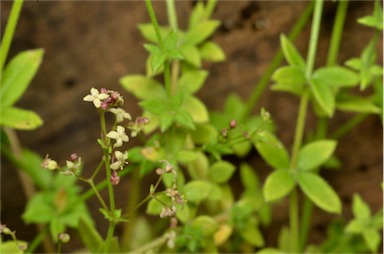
{"points": [[95, 43]]}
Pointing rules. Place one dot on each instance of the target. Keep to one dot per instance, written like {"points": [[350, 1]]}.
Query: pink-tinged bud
{"points": [[232, 124], [115, 179], [103, 90], [104, 105], [74, 157], [224, 132]]}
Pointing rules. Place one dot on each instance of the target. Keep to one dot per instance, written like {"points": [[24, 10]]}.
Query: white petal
{"points": [[115, 165], [94, 91], [88, 98], [113, 134], [103, 96], [97, 103]]}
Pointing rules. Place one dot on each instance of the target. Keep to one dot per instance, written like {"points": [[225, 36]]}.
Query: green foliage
{"points": [[15, 79], [278, 184], [90, 237], [319, 192], [314, 154]]}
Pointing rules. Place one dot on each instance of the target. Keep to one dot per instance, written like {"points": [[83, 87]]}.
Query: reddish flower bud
{"points": [[115, 179], [232, 124]]}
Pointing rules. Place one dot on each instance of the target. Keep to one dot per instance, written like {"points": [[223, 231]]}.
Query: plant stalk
{"points": [[322, 124], [264, 81], [300, 124], [9, 31]]}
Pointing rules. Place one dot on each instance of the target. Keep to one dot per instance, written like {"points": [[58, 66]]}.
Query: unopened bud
{"points": [[232, 124], [5, 230], [115, 179], [74, 157], [159, 171], [64, 237], [224, 132]]}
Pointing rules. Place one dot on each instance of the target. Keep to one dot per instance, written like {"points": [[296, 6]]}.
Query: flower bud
{"points": [[74, 156], [64, 237], [115, 179], [232, 124]]}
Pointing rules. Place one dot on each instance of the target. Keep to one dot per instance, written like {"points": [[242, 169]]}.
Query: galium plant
{"points": [[187, 147]]}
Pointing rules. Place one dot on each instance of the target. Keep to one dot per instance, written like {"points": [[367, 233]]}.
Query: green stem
{"points": [[171, 11], [32, 246], [322, 124], [167, 78], [300, 124], [337, 32], [97, 169], [134, 195], [153, 18], [59, 247], [346, 127], [9, 31], [108, 240], [264, 81], [96, 192]]}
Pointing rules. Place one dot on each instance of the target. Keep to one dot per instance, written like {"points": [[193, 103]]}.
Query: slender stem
{"points": [[300, 124], [9, 31], [155, 243], [167, 77], [97, 169], [153, 18], [350, 124], [171, 11], [96, 192], [36, 241], [108, 240], [107, 162], [134, 195], [264, 81], [59, 247], [322, 124], [337, 32]]}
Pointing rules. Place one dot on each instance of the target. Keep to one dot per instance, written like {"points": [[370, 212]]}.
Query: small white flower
{"points": [[121, 160], [120, 114], [119, 135], [49, 163], [96, 97]]}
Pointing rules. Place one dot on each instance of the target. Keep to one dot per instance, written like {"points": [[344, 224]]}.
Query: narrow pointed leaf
{"points": [[201, 31], [336, 76], [21, 119], [278, 184], [272, 150], [323, 96], [320, 192], [18, 74], [314, 154], [212, 52], [360, 209], [291, 54]]}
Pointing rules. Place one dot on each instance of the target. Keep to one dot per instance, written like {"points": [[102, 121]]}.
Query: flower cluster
{"points": [[72, 166], [110, 101], [104, 98]]}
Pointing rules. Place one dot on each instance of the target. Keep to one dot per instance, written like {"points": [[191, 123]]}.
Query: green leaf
{"points": [[148, 32], [249, 177], [336, 76], [38, 210], [191, 54], [376, 20], [155, 205], [203, 134], [191, 81], [196, 191], [210, 51], [56, 227], [186, 156], [270, 251], [355, 226], [155, 106], [290, 79], [323, 96], [157, 60], [170, 41], [11, 247], [199, 168], [278, 184], [357, 104], [200, 32], [195, 108], [360, 209], [31, 164], [320, 192], [142, 87], [185, 119], [197, 15], [89, 235], [272, 150], [18, 74], [372, 238], [314, 154], [208, 225], [166, 121], [18, 118], [221, 171], [252, 235], [291, 54]]}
